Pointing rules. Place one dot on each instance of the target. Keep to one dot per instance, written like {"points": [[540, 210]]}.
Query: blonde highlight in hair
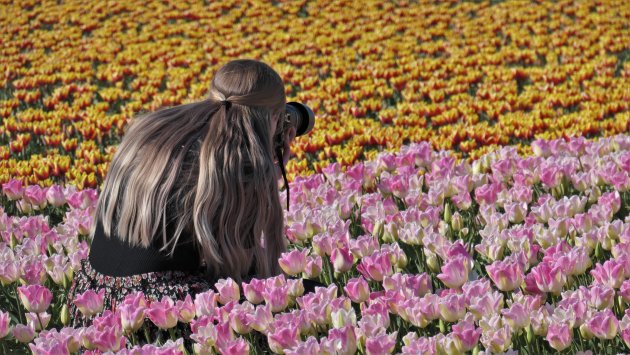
{"points": [[210, 166]]}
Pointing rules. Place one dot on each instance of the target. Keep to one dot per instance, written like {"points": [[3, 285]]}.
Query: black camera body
{"points": [[301, 117], [297, 115]]}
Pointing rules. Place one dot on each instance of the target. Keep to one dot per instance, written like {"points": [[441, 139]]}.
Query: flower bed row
{"points": [[422, 254], [466, 76]]}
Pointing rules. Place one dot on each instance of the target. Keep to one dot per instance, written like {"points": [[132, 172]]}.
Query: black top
{"points": [[113, 257]]}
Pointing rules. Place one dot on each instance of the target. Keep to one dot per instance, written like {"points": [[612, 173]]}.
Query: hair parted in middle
{"points": [[208, 169]]}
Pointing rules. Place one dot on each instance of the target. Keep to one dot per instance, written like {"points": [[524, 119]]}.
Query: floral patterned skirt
{"points": [[154, 285]]}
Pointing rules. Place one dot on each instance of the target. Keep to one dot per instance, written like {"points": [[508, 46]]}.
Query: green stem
{"points": [[146, 335], [41, 325], [17, 302], [134, 338], [171, 332], [331, 278]]}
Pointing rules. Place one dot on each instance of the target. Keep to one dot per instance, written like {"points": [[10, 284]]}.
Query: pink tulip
{"points": [[163, 313], [9, 271], [549, 278], [235, 347], [516, 212], [90, 302], [132, 312], [517, 316], [603, 325], [104, 339], [452, 307], [429, 306], [455, 272], [228, 290], [625, 336], [466, 334], [601, 296], [5, 322], [185, 310], [364, 245], [49, 348], [477, 288], [415, 345], [342, 341], [342, 317], [295, 288], [238, 318], [284, 338], [36, 196], [38, 321], [580, 260], [341, 259], [277, 298], [55, 196], [313, 266], [559, 336], [497, 339], [381, 344], [169, 348], [23, 333], [624, 291], [13, 189], [610, 274], [224, 334], [260, 319], [357, 289], [322, 245], [293, 262], [33, 271], [375, 267], [507, 276], [253, 291], [82, 199], [205, 303], [309, 346], [487, 194], [35, 298]]}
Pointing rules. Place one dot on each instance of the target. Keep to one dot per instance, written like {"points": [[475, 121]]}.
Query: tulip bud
{"points": [[457, 222], [432, 262], [13, 241], [594, 194], [377, 231], [447, 213], [65, 315], [402, 261], [23, 333], [530, 334], [390, 233], [598, 251]]}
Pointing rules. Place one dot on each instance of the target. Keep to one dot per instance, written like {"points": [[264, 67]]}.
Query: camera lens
{"points": [[301, 117]]}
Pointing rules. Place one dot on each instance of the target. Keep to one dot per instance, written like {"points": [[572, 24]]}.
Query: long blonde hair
{"points": [[212, 163]]}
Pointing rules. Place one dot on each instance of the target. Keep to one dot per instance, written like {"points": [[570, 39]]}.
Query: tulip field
{"points": [[466, 188]]}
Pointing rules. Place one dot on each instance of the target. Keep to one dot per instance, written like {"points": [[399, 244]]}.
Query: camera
{"points": [[297, 115], [302, 118]]}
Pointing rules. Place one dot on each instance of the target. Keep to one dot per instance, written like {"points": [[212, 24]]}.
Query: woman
{"points": [[191, 194]]}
